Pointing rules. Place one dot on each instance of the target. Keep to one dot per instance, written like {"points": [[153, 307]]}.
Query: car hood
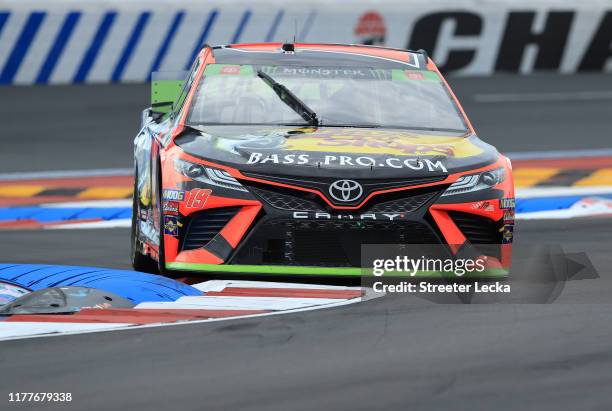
{"points": [[336, 152]]}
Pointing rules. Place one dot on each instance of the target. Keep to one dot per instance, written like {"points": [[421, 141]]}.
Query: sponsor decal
{"points": [[509, 215], [345, 190], [171, 207], [506, 203], [173, 195], [504, 49], [336, 142], [327, 72], [149, 232], [348, 161], [171, 225], [197, 198], [312, 215], [507, 233], [393, 143], [483, 205], [231, 70], [414, 75]]}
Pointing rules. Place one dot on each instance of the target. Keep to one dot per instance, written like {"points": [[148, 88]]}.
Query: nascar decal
{"points": [[173, 195], [347, 161], [171, 225], [197, 198]]}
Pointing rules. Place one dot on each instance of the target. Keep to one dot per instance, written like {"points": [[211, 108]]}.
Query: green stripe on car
{"points": [[331, 271]]}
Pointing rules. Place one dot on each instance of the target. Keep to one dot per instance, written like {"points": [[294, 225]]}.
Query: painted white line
{"points": [[103, 172], [119, 223], [220, 285], [16, 330], [542, 192], [537, 155], [565, 96], [238, 303]]}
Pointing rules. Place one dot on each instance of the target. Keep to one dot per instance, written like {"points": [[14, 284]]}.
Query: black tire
{"points": [[140, 262]]}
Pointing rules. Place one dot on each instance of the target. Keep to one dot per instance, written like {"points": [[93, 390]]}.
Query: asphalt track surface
{"points": [[387, 353]]}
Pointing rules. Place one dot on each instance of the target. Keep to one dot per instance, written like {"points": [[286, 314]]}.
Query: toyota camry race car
{"points": [[286, 158]]}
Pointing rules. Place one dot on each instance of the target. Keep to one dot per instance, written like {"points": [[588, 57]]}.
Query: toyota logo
{"points": [[345, 190]]}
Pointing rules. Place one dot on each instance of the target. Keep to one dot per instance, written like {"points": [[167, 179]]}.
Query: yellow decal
{"points": [[381, 142]]}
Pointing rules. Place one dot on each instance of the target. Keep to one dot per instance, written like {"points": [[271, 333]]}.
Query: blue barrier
{"points": [[52, 214], [527, 205], [135, 286]]}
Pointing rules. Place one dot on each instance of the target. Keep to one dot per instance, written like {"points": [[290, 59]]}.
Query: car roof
{"points": [[323, 55]]}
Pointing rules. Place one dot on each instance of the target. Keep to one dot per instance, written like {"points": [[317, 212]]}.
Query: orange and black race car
{"points": [[286, 158]]}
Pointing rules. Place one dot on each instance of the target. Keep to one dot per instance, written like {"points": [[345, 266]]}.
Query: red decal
{"points": [[171, 207], [371, 28], [483, 205], [233, 70], [414, 76], [197, 198]]}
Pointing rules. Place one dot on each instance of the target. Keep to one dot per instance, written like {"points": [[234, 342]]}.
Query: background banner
{"points": [[44, 42]]}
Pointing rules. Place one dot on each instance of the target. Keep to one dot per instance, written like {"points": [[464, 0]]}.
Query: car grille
{"points": [[285, 201], [326, 243], [407, 203], [206, 224], [370, 185], [404, 201]]}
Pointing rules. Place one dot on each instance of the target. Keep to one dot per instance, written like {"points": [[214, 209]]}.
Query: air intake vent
{"points": [[478, 230], [205, 225]]}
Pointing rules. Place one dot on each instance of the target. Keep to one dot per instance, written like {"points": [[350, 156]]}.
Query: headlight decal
{"points": [[475, 182], [208, 175]]}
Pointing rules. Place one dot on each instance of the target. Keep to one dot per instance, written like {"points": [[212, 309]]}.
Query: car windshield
{"points": [[342, 97]]}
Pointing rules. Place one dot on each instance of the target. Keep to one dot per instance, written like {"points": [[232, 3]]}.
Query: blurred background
{"points": [[531, 74]]}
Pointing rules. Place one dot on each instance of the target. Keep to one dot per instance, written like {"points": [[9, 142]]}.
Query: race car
{"points": [[285, 159]]}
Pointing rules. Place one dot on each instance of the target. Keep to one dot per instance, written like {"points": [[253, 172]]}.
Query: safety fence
{"points": [[63, 42]]}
